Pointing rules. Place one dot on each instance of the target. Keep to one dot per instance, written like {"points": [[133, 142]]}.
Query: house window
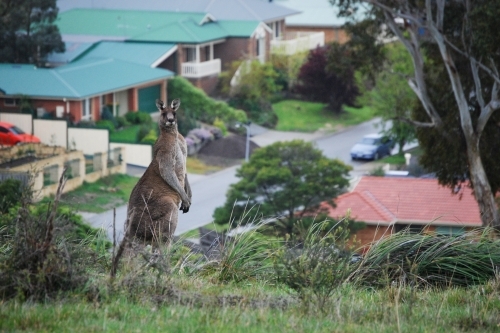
{"points": [[277, 29], [450, 231], [414, 229], [11, 102], [189, 54], [257, 47], [85, 109], [207, 53]]}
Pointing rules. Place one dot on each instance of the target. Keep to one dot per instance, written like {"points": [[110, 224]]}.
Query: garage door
{"points": [[147, 97]]}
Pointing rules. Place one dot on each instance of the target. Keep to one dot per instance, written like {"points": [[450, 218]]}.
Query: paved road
{"points": [[209, 192]]}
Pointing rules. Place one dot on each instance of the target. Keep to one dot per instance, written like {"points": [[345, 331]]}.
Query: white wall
{"points": [[135, 154], [51, 132], [88, 140], [23, 121], [122, 100]]}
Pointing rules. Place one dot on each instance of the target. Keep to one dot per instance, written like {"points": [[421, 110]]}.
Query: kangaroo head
{"points": [[168, 117]]}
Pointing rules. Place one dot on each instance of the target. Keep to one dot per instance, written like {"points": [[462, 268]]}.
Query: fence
{"points": [[136, 154], [23, 121]]}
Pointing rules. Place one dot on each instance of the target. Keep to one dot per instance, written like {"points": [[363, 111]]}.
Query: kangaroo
{"points": [[162, 190]]}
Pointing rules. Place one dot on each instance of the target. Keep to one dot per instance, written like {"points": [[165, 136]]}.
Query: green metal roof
{"points": [[141, 53], [172, 27], [81, 79]]}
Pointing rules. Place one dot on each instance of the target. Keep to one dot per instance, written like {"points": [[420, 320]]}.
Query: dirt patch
{"points": [[227, 151]]}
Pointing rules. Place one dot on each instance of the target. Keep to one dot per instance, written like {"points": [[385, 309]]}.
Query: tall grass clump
{"points": [[43, 251], [430, 260], [318, 265], [243, 255]]}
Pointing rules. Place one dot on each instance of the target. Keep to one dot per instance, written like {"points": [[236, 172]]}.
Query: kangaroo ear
{"points": [[175, 104], [160, 105]]}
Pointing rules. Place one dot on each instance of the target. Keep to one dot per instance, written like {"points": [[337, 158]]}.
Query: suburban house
{"points": [[267, 11], [194, 45], [315, 16], [79, 90], [390, 204]]}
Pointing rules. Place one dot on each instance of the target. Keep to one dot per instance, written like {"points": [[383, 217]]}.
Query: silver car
{"points": [[372, 147]]}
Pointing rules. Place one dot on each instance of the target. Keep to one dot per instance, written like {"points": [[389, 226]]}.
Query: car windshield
{"points": [[369, 141], [16, 130]]}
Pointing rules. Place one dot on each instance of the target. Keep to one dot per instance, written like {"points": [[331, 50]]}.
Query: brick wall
{"points": [[233, 49], [207, 83]]}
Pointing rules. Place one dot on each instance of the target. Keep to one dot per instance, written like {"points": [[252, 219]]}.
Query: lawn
{"points": [[125, 135], [295, 115], [106, 193]]}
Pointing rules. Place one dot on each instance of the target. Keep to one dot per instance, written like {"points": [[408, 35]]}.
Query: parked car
{"points": [[372, 147], [12, 135]]}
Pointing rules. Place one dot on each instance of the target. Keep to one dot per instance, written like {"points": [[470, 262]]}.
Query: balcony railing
{"points": [[201, 69], [293, 42]]}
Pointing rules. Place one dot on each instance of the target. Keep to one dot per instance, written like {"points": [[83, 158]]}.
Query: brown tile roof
{"points": [[387, 200]]}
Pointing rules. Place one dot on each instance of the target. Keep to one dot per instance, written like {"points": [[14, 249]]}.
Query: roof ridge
{"points": [[186, 29], [65, 69], [63, 81], [377, 205], [249, 10]]}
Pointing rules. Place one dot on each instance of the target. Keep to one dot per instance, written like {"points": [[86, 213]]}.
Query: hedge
{"points": [[200, 106]]}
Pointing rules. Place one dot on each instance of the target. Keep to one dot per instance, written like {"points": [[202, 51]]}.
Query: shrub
{"points": [[143, 131], [144, 118], [424, 259], [132, 117], [122, 121], [107, 114], [108, 124], [200, 106], [46, 250], [319, 264], [221, 126], [185, 122], [150, 138], [10, 194]]}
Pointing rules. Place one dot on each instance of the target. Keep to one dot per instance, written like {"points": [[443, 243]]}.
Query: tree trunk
{"points": [[482, 190]]}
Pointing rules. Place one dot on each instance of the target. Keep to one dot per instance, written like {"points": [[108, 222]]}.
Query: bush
{"points": [[107, 114], [436, 260], [220, 125], [10, 194], [185, 122], [144, 118], [143, 131], [150, 138], [108, 124], [122, 122], [319, 264], [200, 106], [138, 117], [132, 117], [45, 250]]}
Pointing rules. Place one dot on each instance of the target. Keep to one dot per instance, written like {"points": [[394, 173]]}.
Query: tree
{"points": [[250, 86], [391, 98], [286, 180], [27, 31], [458, 32], [318, 83]]}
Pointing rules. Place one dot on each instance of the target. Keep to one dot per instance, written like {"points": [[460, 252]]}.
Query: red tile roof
{"points": [[387, 200]]}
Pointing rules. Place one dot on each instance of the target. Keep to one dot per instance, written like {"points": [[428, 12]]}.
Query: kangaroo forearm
{"points": [[187, 187], [173, 182]]}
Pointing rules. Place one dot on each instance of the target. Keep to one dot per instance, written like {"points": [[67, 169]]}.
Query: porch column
{"points": [[114, 104], [211, 51], [197, 53]]}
